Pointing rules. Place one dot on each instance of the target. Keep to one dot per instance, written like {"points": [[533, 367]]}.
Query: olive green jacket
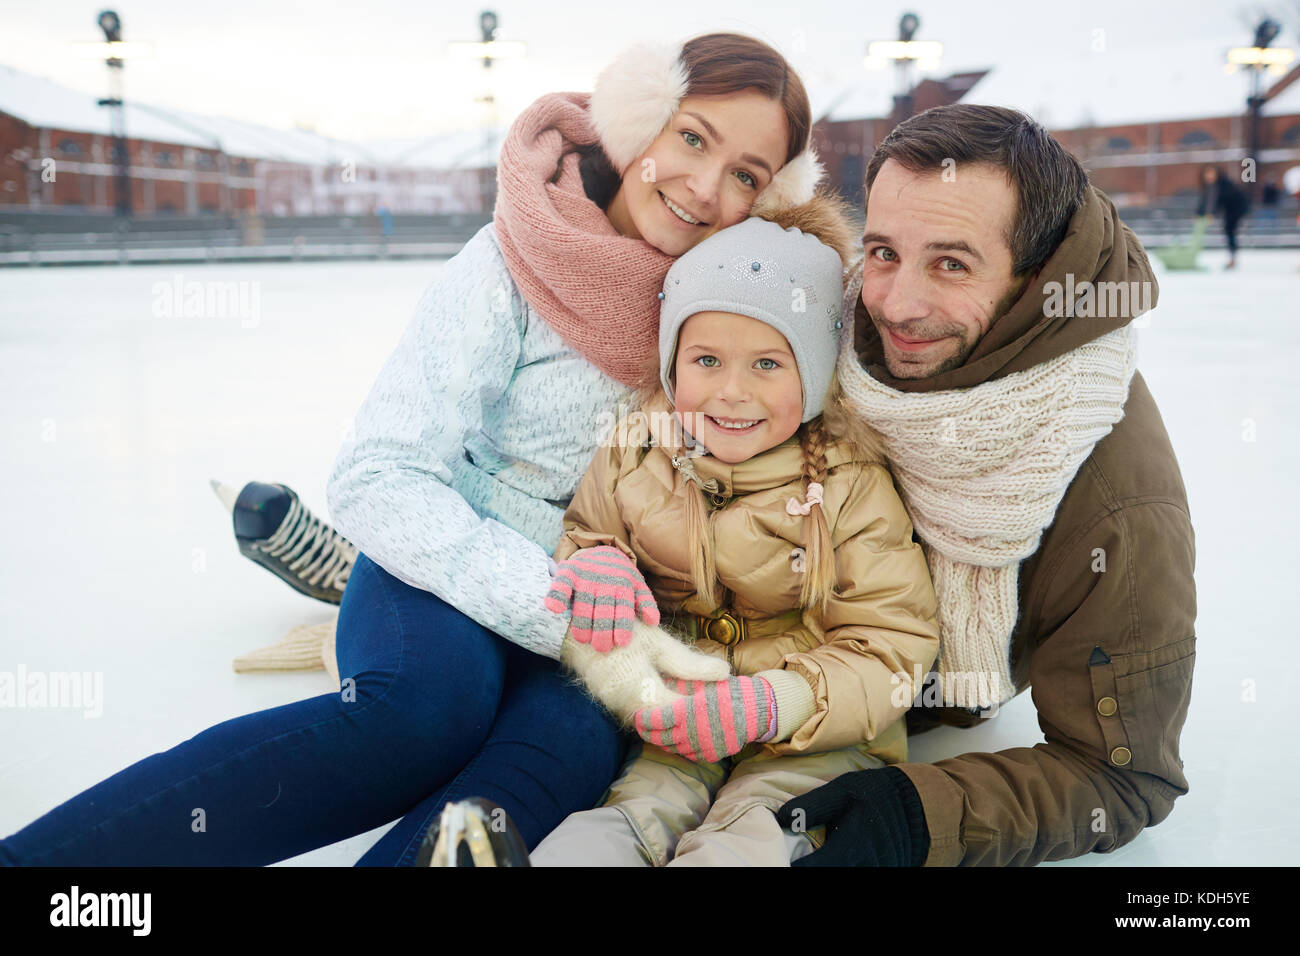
{"points": [[1105, 640]]}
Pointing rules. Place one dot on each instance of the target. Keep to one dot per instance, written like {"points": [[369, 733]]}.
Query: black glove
{"points": [[872, 818]]}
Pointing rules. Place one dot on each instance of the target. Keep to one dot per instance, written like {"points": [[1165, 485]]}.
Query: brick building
{"points": [[1142, 121], [845, 143], [1149, 163], [1142, 127], [56, 153]]}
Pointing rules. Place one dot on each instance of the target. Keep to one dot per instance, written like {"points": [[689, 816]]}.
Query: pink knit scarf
{"points": [[596, 288]]}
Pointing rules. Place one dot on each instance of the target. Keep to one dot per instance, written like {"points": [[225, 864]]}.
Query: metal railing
{"points": [[84, 239], [53, 239]]}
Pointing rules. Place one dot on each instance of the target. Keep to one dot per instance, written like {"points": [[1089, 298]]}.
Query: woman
{"points": [[471, 442]]}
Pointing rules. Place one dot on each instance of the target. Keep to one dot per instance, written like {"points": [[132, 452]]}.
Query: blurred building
{"points": [[852, 122], [1151, 163], [1142, 120], [56, 154]]}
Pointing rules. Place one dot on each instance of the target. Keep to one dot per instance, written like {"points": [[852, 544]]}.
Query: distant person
{"points": [[252, 228], [1291, 186], [385, 221], [1221, 197], [1269, 198]]}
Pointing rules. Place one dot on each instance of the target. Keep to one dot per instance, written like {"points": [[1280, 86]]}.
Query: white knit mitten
{"points": [[625, 679]]}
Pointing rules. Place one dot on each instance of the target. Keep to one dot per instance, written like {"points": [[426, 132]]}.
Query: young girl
{"points": [[771, 536]]}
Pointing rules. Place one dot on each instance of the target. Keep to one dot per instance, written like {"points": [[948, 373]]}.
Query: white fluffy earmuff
{"points": [[634, 98], [792, 185], [637, 94]]}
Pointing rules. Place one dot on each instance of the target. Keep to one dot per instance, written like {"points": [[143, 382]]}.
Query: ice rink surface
{"points": [[120, 560]]}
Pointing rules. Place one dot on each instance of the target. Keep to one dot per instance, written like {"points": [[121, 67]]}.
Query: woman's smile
{"points": [[681, 214], [698, 174]]}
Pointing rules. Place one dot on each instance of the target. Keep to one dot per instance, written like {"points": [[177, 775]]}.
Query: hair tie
{"points": [[686, 466], [814, 497]]}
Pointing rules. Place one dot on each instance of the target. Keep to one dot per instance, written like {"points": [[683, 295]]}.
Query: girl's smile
{"points": [[737, 386], [734, 426]]}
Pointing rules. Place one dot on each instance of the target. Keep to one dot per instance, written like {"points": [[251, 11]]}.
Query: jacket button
{"points": [[1106, 706], [1120, 756], [722, 630]]}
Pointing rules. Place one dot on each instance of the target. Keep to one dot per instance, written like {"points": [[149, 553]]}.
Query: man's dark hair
{"points": [[1050, 184]]}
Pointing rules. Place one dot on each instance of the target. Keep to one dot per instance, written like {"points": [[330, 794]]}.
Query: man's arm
{"points": [[1111, 679]]}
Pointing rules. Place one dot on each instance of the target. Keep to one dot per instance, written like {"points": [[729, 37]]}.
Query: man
{"points": [[992, 349]]}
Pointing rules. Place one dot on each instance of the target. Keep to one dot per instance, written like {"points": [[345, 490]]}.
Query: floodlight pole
{"points": [[1258, 58], [904, 52], [111, 24], [489, 49], [488, 22]]}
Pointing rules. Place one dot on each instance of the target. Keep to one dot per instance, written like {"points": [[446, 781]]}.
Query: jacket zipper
{"points": [[726, 592]]}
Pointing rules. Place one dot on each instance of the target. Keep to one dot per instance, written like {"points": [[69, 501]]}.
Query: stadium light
{"points": [[489, 48], [115, 51], [904, 52], [1258, 58]]}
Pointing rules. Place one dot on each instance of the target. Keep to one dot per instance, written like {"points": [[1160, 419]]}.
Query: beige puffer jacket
{"points": [[880, 622]]}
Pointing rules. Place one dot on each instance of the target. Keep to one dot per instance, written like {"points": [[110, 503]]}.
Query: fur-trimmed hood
{"points": [[823, 215]]}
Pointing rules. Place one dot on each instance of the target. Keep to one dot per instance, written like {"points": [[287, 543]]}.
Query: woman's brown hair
{"points": [[721, 63], [718, 64]]}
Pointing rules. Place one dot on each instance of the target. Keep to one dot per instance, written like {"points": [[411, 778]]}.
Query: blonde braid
{"points": [[704, 573], [819, 558], [699, 537]]}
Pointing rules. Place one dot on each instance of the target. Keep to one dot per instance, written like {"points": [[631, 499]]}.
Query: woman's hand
{"points": [[742, 709], [628, 678], [605, 593]]}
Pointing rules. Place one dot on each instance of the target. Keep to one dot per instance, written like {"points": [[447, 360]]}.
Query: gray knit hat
{"points": [[786, 278]]}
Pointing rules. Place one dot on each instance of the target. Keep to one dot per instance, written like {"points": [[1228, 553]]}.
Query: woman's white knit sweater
{"points": [[469, 446]]}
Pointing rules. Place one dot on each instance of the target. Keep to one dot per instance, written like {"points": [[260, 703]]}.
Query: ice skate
{"points": [[274, 529], [473, 832]]}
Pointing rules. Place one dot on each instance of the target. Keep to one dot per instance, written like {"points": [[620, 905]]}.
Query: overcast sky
{"points": [[382, 67]]}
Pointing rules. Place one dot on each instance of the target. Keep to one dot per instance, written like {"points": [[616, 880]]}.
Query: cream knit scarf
{"points": [[982, 471]]}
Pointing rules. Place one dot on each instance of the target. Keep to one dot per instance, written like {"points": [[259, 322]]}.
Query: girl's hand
{"points": [[742, 709], [626, 679], [605, 592]]}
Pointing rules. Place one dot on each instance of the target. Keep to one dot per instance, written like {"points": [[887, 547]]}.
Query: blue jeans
{"points": [[443, 709]]}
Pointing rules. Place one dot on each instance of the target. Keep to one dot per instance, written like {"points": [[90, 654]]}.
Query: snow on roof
{"points": [[42, 102], [466, 149], [870, 97], [1066, 89]]}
